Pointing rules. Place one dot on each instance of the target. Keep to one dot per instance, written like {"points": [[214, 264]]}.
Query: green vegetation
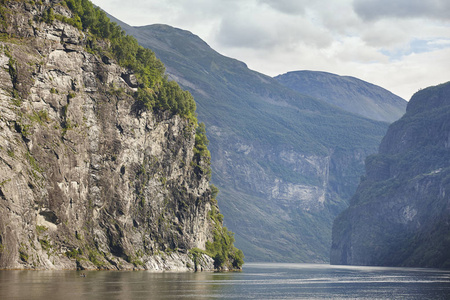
{"points": [[12, 69], [71, 95], [74, 253], [33, 162], [155, 91], [40, 117], [41, 229], [214, 192], [23, 129], [201, 143], [66, 124], [3, 14], [135, 260], [48, 16], [221, 249], [95, 257], [23, 254], [79, 236], [45, 244], [201, 152], [195, 254]]}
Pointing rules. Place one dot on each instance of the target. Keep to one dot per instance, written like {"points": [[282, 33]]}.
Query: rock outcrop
{"points": [[400, 214], [87, 180]]}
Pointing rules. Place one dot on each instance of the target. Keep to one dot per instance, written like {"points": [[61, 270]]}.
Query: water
{"points": [[257, 281]]}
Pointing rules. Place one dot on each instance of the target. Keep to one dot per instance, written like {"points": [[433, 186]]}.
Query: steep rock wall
{"points": [[286, 164], [303, 194], [400, 214], [88, 180]]}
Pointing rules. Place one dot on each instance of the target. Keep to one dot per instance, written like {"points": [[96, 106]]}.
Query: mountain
{"points": [[102, 164], [349, 93], [400, 214], [285, 164]]}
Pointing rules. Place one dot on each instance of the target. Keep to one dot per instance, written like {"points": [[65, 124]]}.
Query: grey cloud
{"points": [[269, 32], [274, 36], [286, 6], [377, 9], [236, 32], [389, 33]]}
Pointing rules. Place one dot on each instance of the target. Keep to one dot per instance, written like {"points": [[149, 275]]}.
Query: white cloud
{"points": [[417, 71], [402, 45], [265, 29], [387, 34]]}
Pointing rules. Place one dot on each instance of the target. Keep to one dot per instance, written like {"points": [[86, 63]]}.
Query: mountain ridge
{"points": [[400, 214], [284, 162], [349, 93]]}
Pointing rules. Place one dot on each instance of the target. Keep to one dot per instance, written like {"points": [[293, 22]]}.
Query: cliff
{"points": [[349, 93], [286, 163], [400, 214], [90, 178]]}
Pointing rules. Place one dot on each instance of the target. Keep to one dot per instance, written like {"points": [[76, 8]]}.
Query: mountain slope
{"points": [[400, 214], [349, 93], [285, 163], [91, 175]]}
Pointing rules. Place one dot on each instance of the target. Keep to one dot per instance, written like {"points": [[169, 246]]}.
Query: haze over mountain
{"points": [[349, 93], [286, 164], [400, 214]]}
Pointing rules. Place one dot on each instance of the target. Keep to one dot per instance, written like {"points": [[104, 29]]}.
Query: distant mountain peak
{"points": [[399, 215], [285, 163], [349, 93]]}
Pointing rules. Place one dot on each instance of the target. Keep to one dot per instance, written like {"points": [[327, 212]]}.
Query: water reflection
{"points": [[110, 285], [257, 281]]}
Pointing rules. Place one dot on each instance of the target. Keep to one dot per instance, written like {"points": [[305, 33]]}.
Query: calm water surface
{"points": [[257, 281]]}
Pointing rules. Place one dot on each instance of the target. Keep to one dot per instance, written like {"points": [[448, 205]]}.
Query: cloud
{"points": [[388, 34], [354, 49], [353, 57], [287, 6], [265, 29], [401, 45], [416, 46], [406, 76], [377, 9]]}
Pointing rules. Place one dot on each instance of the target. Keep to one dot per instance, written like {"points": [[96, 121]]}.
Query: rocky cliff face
{"points": [[86, 179], [400, 214], [286, 164], [283, 201]]}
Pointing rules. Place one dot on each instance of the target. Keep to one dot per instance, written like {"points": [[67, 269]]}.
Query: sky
{"points": [[400, 45]]}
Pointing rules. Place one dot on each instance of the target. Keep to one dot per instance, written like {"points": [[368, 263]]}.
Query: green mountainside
{"points": [[286, 164], [349, 93], [400, 214]]}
